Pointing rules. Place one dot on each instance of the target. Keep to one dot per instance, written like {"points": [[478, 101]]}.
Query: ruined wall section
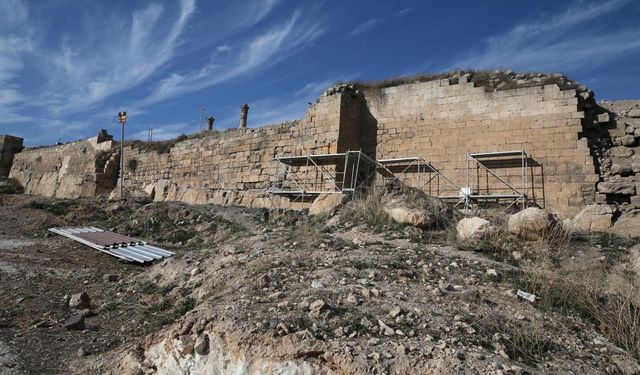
{"points": [[9, 146], [232, 167], [441, 122], [77, 169]]}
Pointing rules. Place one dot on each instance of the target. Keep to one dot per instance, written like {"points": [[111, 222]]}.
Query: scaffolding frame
{"points": [[488, 162], [428, 178], [307, 176]]}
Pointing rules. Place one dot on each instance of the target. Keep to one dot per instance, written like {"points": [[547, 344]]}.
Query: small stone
{"points": [[385, 329], [81, 352], [202, 345], [353, 299], [316, 307], [80, 300], [315, 284], [111, 277], [603, 118], [395, 312], [75, 322], [195, 271]]}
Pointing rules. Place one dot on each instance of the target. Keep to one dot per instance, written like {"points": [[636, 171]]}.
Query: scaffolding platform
{"points": [[418, 173], [484, 183], [300, 177]]}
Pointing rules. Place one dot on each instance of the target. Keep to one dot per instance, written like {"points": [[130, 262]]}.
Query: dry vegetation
{"points": [[490, 80]]}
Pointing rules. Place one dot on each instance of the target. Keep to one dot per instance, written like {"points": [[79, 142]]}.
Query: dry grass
{"points": [[490, 80], [367, 209], [610, 301], [521, 341]]}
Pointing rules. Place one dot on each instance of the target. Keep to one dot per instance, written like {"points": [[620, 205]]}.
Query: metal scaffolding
{"points": [[418, 173], [485, 184], [302, 178]]}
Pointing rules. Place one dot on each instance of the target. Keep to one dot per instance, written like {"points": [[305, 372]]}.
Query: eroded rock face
{"points": [[473, 228], [593, 218], [327, 204], [532, 223], [168, 358]]}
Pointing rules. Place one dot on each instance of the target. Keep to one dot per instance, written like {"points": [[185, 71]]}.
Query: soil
{"points": [[344, 298]]}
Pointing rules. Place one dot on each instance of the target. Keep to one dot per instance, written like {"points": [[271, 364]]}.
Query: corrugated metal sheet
{"points": [[114, 244]]}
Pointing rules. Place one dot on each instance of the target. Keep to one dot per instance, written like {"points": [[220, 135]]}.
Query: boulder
{"points": [[621, 169], [620, 152], [417, 217], [327, 204], [80, 301], [617, 187], [473, 228], [202, 345], [593, 218], [532, 223], [634, 113]]}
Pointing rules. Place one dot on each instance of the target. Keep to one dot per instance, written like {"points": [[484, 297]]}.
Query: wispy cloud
{"points": [[363, 28], [87, 74], [557, 43], [15, 43], [259, 53]]}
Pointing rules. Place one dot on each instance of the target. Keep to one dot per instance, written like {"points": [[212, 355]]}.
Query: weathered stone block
{"points": [[619, 187]]}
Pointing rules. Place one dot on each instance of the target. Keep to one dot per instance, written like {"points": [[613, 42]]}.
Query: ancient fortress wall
{"points": [[233, 167], [442, 122], [78, 169], [582, 152]]}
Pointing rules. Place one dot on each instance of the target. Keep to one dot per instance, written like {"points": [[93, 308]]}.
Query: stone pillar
{"points": [[210, 121], [243, 116]]}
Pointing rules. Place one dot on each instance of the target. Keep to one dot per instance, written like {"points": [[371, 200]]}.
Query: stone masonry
{"points": [[440, 119], [77, 169]]}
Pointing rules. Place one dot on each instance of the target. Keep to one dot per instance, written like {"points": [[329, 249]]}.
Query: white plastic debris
{"points": [[528, 296]]}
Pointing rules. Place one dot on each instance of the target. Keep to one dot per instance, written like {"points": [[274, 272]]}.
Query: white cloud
{"points": [[85, 74], [558, 43], [261, 52], [363, 28]]}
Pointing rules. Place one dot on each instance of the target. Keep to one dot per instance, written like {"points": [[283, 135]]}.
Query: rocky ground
{"points": [[250, 294]]}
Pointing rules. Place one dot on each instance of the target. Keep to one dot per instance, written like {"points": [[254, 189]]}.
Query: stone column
{"points": [[243, 116], [210, 121]]}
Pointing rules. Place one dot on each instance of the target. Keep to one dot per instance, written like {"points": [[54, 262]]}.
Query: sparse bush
{"points": [[367, 209], [10, 186]]}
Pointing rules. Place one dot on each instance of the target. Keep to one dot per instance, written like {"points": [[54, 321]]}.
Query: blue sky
{"points": [[68, 66]]}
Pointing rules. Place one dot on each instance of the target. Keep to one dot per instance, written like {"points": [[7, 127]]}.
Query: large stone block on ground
{"points": [[473, 228], [593, 218], [328, 204], [532, 223]]}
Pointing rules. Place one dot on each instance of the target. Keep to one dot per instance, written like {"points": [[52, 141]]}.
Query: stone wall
{"points": [[616, 143], [442, 121], [232, 167], [9, 146], [577, 144], [77, 169]]}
